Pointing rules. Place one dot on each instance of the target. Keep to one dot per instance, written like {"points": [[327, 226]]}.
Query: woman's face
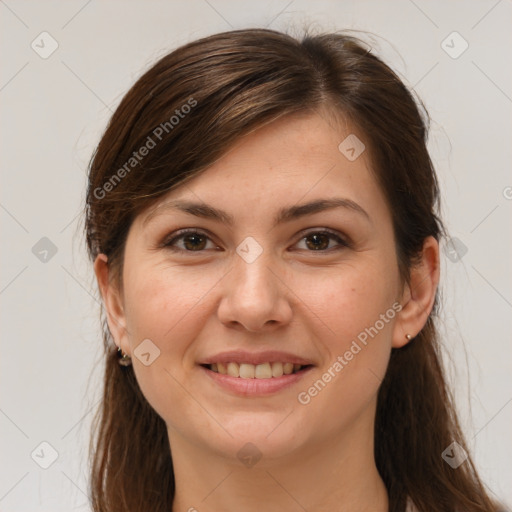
{"points": [[251, 285]]}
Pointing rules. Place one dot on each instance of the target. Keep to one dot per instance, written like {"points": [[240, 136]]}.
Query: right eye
{"points": [[193, 241]]}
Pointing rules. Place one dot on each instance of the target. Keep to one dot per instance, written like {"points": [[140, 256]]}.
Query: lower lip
{"points": [[255, 387]]}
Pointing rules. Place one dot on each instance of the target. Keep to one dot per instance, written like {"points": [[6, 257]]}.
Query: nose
{"points": [[255, 296]]}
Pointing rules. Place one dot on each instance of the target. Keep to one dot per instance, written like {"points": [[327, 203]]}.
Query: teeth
{"points": [[233, 370], [258, 371], [247, 371], [263, 371], [287, 368], [277, 369]]}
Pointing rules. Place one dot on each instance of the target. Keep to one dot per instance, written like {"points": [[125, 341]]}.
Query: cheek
{"points": [[358, 305], [349, 299], [161, 302], [169, 309], [358, 309]]}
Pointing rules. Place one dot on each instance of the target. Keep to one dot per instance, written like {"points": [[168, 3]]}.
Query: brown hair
{"points": [[233, 83]]}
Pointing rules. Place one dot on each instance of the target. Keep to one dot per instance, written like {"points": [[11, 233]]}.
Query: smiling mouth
{"points": [[258, 371]]}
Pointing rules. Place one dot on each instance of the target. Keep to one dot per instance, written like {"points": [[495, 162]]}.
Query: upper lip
{"points": [[268, 356]]}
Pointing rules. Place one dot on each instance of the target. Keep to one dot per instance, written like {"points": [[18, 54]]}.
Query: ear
{"points": [[113, 303], [418, 297]]}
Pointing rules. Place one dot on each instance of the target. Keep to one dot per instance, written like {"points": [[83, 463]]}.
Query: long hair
{"points": [[190, 108]]}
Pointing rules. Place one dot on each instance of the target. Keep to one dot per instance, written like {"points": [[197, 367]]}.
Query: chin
{"points": [[261, 436]]}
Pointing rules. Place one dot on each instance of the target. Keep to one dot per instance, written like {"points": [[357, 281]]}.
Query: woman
{"points": [[262, 217]]}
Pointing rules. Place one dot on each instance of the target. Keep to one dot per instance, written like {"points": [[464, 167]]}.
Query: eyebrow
{"points": [[286, 214]]}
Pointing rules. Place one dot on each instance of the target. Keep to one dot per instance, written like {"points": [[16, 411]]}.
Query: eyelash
{"points": [[190, 231]]}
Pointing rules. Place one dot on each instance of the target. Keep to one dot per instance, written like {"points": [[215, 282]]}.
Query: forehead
{"points": [[294, 159]]}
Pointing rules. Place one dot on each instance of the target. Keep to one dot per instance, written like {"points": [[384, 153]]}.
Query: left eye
{"points": [[195, 241], [321, 239]]}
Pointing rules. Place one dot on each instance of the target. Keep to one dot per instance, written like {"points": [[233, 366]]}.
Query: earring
{"points": [[408, 336], [126, 360]]}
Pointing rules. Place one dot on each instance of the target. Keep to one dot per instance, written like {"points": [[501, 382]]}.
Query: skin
{"points": [[312, 303]]}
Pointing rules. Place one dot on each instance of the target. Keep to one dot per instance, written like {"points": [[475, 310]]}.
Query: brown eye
{"points": [[319, 240], [197, 241], [193, 241]]}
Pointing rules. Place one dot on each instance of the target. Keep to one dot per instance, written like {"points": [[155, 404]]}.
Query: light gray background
{"points": [[53, 113]]}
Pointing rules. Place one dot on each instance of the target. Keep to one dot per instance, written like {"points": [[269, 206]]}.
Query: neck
{"points": [[336, 473]]}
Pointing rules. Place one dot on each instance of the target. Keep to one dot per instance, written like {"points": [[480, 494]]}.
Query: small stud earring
{"points": [[408, 336], [126, 360]]}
